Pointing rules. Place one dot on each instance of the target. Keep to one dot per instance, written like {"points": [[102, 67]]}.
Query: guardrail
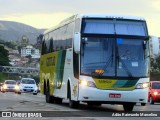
{"points": [[19, 70]]}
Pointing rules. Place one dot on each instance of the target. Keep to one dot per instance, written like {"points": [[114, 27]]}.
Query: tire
{"points": [[72, 103], [49, 99], [19, 93], [128, 107], [151, 100], [34, 93], [143, 104], [58, 100]]}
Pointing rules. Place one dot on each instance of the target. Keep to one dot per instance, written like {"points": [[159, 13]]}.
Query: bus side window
{"points": [[51, 45], [47, 46], [68, 43], [54, 46], [57, 45], [60, 44], [44, 47]]}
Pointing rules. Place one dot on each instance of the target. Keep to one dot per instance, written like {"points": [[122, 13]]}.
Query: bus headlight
{"points": [[87, 83], [142, 85]]}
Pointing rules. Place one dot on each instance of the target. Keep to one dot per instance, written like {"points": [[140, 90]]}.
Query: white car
{"points": [[28, 85]]}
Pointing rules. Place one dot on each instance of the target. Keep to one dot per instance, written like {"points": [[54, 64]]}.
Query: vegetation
{"points": [[8, 44], [4, 60], [3, 77], [155, 69]]}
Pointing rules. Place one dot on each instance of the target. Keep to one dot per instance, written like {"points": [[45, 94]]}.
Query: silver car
{"points": [[9, 86]]}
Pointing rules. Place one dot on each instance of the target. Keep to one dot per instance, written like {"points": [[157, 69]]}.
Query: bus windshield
{"points": [[118, 27], [117, 57]]}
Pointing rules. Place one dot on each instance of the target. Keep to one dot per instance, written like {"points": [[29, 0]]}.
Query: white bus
{"points": [[97, 59]]}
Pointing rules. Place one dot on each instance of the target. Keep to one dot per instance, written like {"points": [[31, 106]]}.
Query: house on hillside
{"points": [[30, 50]]}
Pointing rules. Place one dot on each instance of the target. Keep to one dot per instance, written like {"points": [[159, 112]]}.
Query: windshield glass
{"points": [[28, 81], [10, 82], [120, 27], [117, 57], [156, 86]]}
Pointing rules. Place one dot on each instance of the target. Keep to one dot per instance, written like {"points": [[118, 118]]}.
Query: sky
{"points": [[48, 13]]}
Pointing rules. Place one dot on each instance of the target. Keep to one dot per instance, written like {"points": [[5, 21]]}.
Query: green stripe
{"points": [[125, 83], [60, 68], [130, 83], [120, 83]]}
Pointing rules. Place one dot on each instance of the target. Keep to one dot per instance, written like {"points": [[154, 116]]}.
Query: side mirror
{"points": [[77, 38]]}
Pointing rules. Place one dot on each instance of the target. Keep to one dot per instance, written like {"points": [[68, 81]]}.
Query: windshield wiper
{"points": [[105, 67], [123, 64], [110, 60]]}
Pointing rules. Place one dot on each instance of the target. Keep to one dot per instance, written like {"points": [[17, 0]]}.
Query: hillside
{"points": [[13, 31]]}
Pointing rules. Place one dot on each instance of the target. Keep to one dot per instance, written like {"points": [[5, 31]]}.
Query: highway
{"points": [[28, 102]]}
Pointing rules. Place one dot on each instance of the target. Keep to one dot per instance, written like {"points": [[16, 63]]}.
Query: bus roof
{"points": [[110, 16], [72, 18]]}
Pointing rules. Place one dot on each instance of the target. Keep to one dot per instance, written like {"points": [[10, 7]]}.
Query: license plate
{"points": [[10, 87], [28, 90], [112, 95]]}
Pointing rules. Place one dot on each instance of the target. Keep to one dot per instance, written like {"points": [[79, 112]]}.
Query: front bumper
{"points": [[8, 90], [156, 98], [93, 94], [24, 90]]}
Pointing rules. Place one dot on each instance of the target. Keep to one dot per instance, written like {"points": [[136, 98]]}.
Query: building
{"points": [[24, 41], [154, 46], [14, 52], [30, 50]]}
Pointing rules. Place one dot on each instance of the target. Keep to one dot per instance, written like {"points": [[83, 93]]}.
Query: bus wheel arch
{"points": [[49, 98], [68, 88], [72, 103], [44, 87]]}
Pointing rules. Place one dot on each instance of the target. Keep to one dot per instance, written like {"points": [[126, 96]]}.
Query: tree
{"points": [[155, 65], [4, 60], [10, 45]]}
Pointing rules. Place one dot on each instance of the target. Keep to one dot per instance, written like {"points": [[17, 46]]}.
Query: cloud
{"points": [[156, 4]]}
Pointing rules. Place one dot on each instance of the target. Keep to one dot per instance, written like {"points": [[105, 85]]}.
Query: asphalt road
{"points": [[28, 102]]}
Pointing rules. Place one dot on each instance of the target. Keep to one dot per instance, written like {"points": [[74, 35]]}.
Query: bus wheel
{"points": [[143, 104], [58, 100], [49, 99], [72, 103], [128, 106]]}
